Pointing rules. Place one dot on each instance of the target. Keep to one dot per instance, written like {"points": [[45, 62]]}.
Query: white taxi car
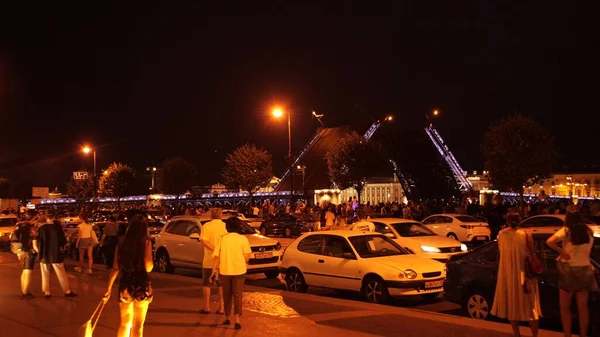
{"points": [[7, 225], [367, 262], [418, 239], [551, 223], [463, 228], [178, 246]]}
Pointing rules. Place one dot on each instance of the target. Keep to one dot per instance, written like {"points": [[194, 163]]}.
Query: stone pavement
{"points": [[177, 299]]}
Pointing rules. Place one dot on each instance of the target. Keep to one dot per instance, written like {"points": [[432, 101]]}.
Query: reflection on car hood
{"points": [[259, 240], [437, 241], [409, 261]]}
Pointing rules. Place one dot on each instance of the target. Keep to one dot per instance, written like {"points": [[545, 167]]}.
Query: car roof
{"points": [[345, 233], [393, 220], [559, 216], [8, 216]]}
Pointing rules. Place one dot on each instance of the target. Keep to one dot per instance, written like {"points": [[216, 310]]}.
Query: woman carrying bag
{"points": [[133, 262], [575, 271]]}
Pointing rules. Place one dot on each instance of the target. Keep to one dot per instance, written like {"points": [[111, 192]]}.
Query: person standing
{"points": [[576, 274], [329, 218], [231, 257], [85, 243], [110, 240], [133, 262], [49, 244], [24, 235], [517, 297], [211, 232]]}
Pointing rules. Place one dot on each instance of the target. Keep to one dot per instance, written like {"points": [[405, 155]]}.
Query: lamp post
{"points": [[87, 149], [278, 113], [152, 170], [302, 168]]}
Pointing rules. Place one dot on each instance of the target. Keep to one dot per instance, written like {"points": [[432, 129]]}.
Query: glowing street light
{"points": [[389, 118], [436, 112], [153, 171], [278, 113], [87, 149]]}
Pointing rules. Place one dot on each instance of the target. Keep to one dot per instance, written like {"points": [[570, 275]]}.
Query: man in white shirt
{"points": [[363, 224], [211, 232]]}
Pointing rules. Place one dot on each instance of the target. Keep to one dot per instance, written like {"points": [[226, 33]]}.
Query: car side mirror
{"points": [[257, 231], [195, 236], [348, 256], [390, 235]]}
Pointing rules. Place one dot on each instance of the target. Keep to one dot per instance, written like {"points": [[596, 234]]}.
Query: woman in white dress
{"points": [[517, 297]]}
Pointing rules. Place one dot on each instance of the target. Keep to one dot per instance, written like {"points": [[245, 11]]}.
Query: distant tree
{"points": [[117, 180], [518, 152], [81, 189], [351, 160], [175, 176], [4, 187], [248, 168]]}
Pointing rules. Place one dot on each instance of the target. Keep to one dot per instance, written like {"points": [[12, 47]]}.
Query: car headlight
{"points": [[410, 274], [463, 248], [278, 246], [430, 249]]}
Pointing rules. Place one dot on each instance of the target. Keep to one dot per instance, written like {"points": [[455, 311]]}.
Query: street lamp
{"points": [[278, 113], [152, 170], [87, 149]]}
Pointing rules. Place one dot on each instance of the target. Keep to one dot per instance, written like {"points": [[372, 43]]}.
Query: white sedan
{"points": [[463, 228], [365, 262], [419, 239]]}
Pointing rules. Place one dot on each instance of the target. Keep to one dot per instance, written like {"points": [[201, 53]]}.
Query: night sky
{"points": [[145, 83]]}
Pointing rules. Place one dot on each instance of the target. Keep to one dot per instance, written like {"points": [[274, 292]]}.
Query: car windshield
{"points": [[156, 224], [368, 246], [412, 229], [8, 222], [244, 227], [592, 219], [466, 218]]}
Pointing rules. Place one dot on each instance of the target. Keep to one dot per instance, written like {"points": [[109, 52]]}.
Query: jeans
{"points": [[59, 269], [233, 285]]}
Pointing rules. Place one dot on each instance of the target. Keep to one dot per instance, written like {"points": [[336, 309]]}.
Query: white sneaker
{"points": [[89, 271], [78, 269]]}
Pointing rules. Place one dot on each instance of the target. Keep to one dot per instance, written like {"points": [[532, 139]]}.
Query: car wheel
{"points": [[375, 290], [477, 306], [164, 263], [452, 236], [287, 232], [263, 231], [295, 281], [272, 274]]}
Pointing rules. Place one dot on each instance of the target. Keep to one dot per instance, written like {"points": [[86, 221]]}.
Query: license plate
{"points": [[481, 238], [434, 284], [263, 255]]}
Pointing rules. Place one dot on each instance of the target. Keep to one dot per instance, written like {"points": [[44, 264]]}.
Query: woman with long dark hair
{"points": [[133, 262], [576, 274]]}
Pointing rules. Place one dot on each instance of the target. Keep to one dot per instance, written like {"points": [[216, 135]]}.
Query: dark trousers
{"points": [[109, 248], [233, 285]]}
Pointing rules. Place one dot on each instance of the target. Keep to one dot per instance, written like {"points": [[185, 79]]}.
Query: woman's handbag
{"points": [[95, 238], [533, 265], [87, 329]]}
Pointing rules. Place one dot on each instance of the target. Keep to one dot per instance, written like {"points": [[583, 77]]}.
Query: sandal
{"points": [[204, 312]]}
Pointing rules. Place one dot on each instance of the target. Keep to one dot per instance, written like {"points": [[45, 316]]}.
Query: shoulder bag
{"points": [[87, 329], [533, 265]]}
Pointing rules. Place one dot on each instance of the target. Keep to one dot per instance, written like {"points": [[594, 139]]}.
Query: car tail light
{"points": [[467, 226]]}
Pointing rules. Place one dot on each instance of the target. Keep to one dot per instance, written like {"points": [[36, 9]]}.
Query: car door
{"points": [[177, 241], [309, 253], [548, 281], [542, 224], [337, 267], [193, 250], [481, 273]]}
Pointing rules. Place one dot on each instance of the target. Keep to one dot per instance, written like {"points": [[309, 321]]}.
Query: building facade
{"points": [[377, 190]]}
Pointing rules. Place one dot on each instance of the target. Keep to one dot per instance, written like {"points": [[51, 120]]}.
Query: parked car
{"points": [[288, 225], [418, 239], [7, 226], [471, 280], [551, 223], [463, 228], [371, 263], [178, 246]]}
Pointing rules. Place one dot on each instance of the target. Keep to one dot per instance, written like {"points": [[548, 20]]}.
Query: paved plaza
{"points": [[173, 313]]}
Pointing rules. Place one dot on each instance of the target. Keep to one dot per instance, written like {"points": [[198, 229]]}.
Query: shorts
{"points": [[28, 260], [573, 279], [85, 243], [206, 272]]}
